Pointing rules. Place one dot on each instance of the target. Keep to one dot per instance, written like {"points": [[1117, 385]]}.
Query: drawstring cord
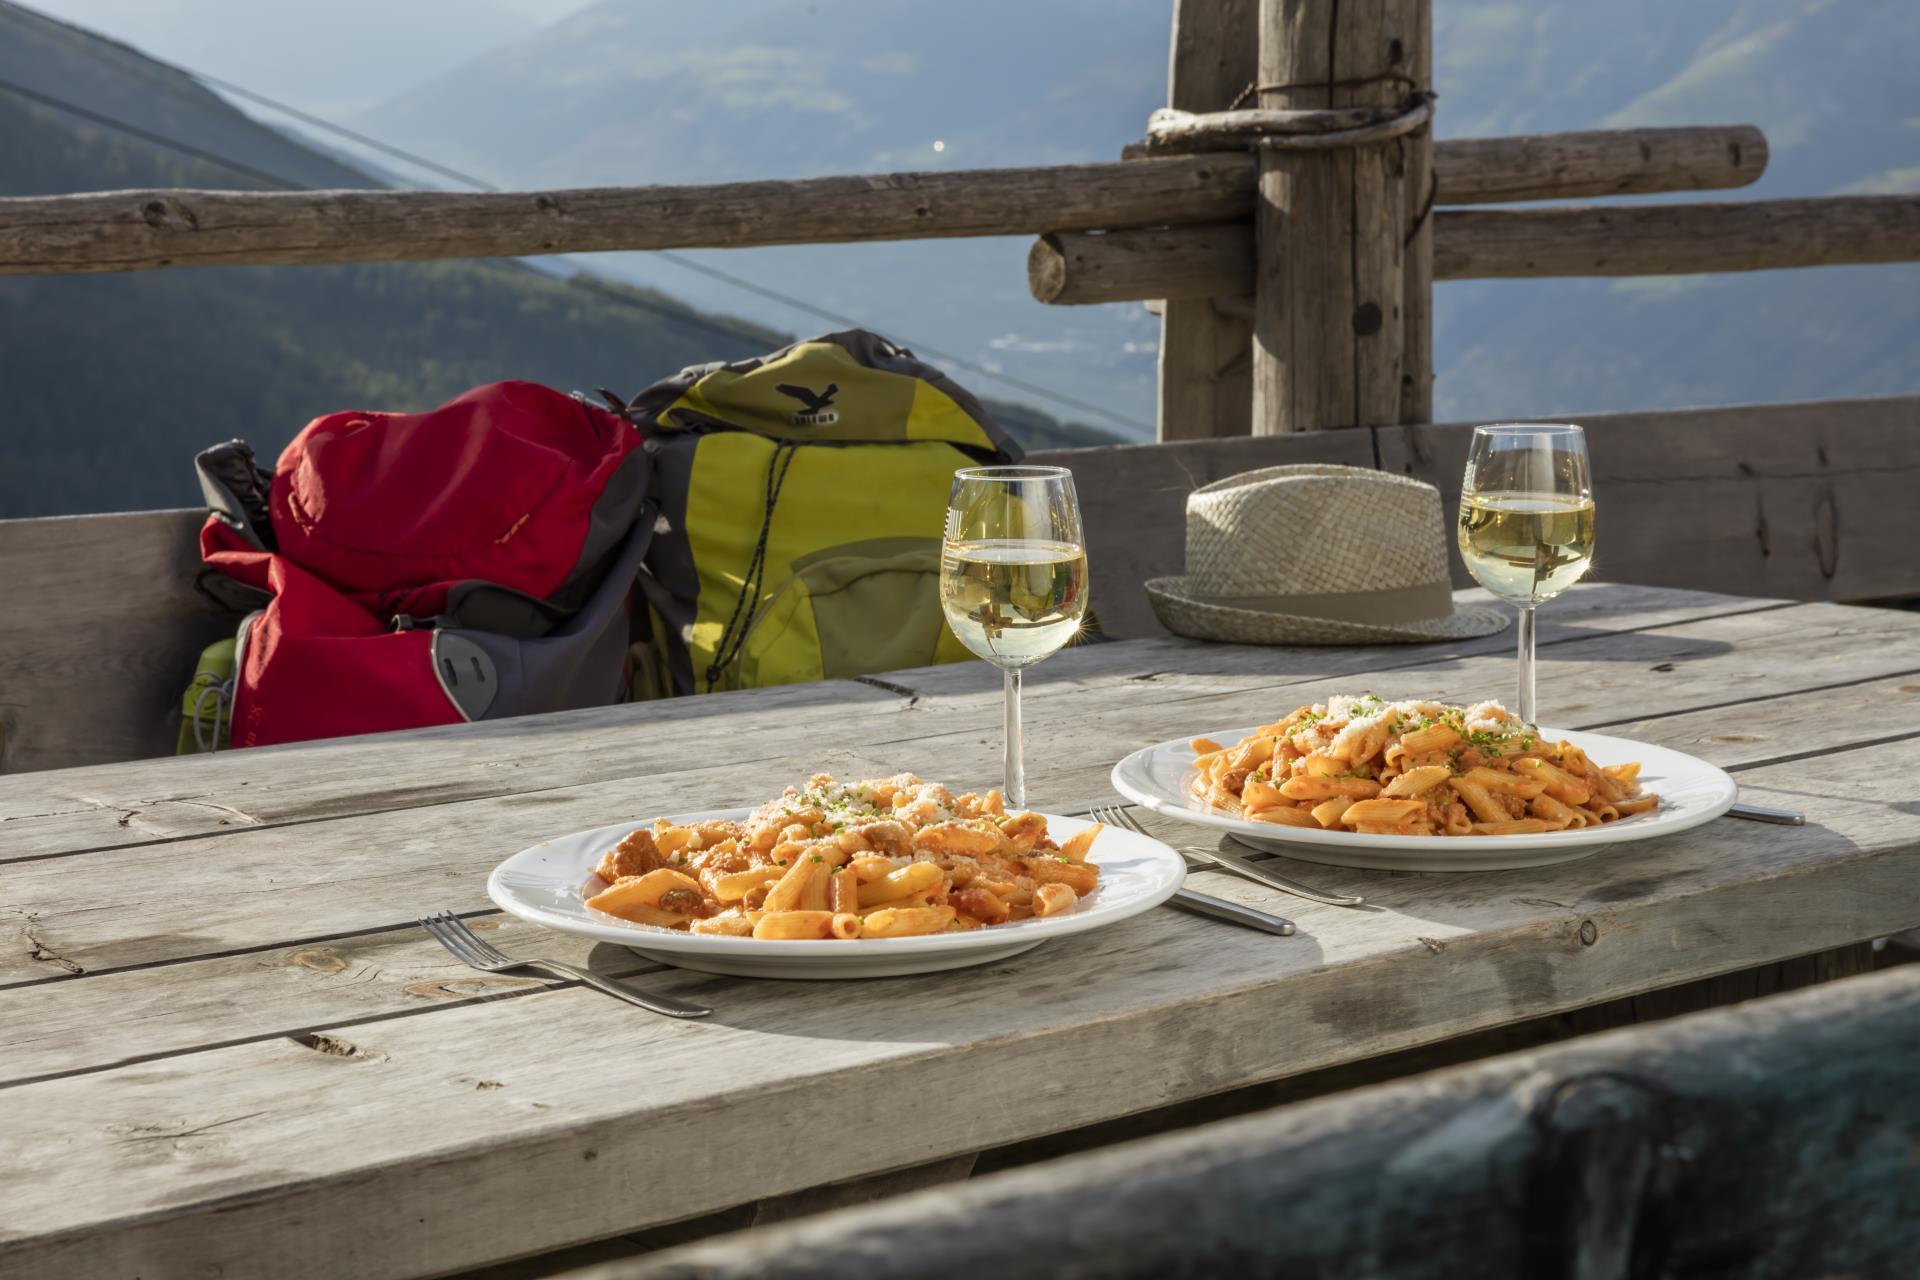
{"points": [[731, 641]]}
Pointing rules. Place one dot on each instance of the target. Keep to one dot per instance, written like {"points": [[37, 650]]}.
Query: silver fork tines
{"points": [[1119, 817], [468, 947]]}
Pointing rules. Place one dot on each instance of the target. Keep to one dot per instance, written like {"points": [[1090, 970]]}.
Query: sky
{"points": [[330, 67]]}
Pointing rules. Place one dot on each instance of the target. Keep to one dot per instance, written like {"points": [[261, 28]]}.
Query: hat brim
{"points": [[1202, 619]]}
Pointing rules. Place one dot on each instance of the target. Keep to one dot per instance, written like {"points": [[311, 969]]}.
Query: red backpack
{"points": [[472, 562]]}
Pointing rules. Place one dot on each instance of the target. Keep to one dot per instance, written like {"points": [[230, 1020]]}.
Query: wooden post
{"points": [[1330, 226], [1416, 302], [1206, 386]]}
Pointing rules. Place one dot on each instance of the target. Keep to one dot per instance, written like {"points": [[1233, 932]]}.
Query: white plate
{"points": [[1691, 792], [544, 884]]}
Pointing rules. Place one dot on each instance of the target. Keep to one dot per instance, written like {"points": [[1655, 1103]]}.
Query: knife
{"points": [[1760, 813], [1202, 904]]}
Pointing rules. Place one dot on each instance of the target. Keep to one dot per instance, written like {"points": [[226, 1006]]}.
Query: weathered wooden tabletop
{"points": [[224, 1049]]}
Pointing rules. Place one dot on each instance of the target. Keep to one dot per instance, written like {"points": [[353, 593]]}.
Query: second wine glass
{"points": [[1013, 579], [1526, 523]]}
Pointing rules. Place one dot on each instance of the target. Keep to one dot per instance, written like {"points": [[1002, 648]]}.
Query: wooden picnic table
{"points": [[226, 1050]]}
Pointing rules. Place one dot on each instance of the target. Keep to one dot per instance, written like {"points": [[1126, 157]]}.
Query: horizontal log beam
{"points": [[1597, 162], [1216, 259], [1676, 239], [1577, 166], [139, 230], [1785, 1125]]}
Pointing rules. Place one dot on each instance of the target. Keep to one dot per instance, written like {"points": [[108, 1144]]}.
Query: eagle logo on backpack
{"points": [[817, 413]]}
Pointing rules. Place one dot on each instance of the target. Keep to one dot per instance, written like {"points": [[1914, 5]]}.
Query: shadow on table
{"points": [[1125, 966], [1622, 646]]}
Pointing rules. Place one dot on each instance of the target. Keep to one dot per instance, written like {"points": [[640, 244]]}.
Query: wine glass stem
{"points": [[1015, 793], [1525, 699]]}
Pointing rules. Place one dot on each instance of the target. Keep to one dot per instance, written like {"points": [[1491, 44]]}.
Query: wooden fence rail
{"points": [[1217, 259], [137, 230], [1775, 1139]]}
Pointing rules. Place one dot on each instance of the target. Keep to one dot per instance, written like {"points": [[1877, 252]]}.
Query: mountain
{"points": [[332, 58], [114, 381], [648, 91]]}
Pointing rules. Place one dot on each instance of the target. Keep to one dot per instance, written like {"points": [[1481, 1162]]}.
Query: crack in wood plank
{"points": [[174, 1135], [40, 951]]}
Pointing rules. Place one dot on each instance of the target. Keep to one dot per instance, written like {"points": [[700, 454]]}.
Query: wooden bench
{"points": [[1801, 501], [1773, 1139]]}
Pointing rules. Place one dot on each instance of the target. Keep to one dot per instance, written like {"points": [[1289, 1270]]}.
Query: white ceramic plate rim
{"points": [[1154, 872], [1140, 777]]}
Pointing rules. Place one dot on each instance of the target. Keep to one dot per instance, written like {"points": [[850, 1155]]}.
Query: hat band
{"points": [[1386, 606]]}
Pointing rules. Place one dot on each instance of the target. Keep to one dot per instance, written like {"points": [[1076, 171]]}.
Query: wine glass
{"points": [[1526, 522], [1013, 578]]}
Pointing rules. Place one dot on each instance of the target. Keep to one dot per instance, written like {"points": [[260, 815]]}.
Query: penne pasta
{"points": [[1075, 849], [1479, 801], [1388, 811], [887, 858], [1289, 816], [1415, 781], [788, 890], [1324, 788], [1560, 816], [1328, 813], [904, 922], [794, 926], [1413, 768], [1054, 899], [634, 892], [912, 878], [1077, 876], [844, 893]]}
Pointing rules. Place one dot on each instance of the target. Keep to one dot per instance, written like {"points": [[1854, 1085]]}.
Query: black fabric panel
{"points": [[671, 582], [580, 664]]}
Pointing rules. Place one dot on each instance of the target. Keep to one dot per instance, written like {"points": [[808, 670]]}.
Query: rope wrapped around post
{"points": [[1171, 132]]}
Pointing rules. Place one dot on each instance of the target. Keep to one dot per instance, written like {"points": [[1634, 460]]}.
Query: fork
{"points": [[1208, 858], [451, 932], [1203, 904]]}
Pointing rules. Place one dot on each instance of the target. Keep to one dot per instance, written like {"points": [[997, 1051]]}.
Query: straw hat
{"points": [[1316, 555]]}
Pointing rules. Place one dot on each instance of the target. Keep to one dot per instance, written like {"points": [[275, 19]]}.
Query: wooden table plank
{"points": [[143, 801], [62, 1028], [116, 806], [150, 1012], [108, 806], [606, 1119], [308, 883], [266, 887], [195, 1117], [249, 888]]}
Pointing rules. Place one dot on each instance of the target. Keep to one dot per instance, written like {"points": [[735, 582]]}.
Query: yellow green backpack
{"points": [[802, 499]]}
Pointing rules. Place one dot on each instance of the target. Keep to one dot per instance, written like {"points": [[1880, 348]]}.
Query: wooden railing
{"points": [[1217, 259], [1296, 295], [145, 230]]}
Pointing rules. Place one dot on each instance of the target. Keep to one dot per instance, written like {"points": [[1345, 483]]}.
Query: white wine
{"points": [[1526, 547], [1013, 602]]}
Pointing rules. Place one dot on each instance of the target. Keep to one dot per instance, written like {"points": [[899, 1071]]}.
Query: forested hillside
{"points": [[112, 382]]}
